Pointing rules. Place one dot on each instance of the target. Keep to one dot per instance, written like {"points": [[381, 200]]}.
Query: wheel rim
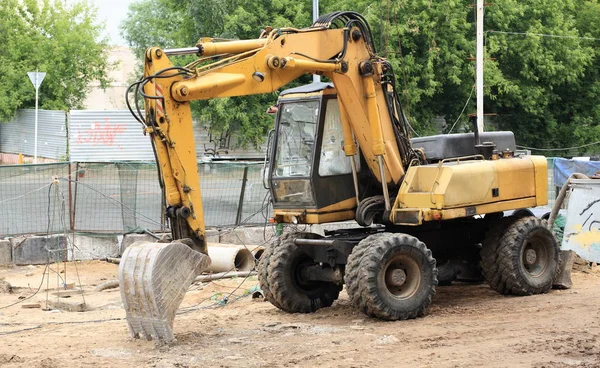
{"points": [[401, 276], [535, 256]]}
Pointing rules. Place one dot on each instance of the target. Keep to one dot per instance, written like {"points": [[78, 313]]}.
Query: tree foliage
{"points": [[49, 36], [544, 88], [178, 23], [544, 82]]}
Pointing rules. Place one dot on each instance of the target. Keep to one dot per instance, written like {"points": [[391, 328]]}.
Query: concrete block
{"points": [[247, 235], [98, 247], [321, 228], [5, 253], [212, 236], [38, 249], [68, 305]]}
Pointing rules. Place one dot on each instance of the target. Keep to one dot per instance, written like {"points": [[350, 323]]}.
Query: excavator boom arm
{"points": [[262, 66]]}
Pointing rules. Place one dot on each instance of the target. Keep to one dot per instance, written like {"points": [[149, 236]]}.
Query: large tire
{"points": [[446, 274], [489, 255], [528, 257], [396, 278], [353, 266], [263, 272], [293, 294]]}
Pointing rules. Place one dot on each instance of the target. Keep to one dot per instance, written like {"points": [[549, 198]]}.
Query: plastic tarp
{"points": [[563, 168]]}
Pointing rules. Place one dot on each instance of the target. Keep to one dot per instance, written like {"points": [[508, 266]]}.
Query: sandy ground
{"points": [[466, 326]]}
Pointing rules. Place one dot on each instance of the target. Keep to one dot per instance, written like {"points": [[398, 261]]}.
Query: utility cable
{"points": [[47, 264], [544, 35], [57, 323], [463, 110], [113, 201], [559, 149], [25, 194]]}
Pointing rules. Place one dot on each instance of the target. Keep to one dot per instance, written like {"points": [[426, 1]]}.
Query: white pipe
{"points": [[223, 275], [229, 258], [257, 252], [112, 284], [561, 197]]}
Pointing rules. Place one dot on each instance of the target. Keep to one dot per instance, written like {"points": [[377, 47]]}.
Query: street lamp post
{"points": [[36, 78], [315, 6], [479, 65]]}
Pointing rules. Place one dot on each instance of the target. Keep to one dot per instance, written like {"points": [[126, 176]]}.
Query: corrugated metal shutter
{"points": [[18, 135], [107, 136], [206, 148]]}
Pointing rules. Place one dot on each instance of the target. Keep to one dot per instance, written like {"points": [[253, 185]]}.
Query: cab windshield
{"points": [[296, 138]]}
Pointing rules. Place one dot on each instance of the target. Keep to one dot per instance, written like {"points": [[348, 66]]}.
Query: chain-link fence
{"points": [[28, 204], [121, 197], [126, 197]]}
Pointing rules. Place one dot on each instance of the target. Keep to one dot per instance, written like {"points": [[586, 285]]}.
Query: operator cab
{"points": [[309, 171]]}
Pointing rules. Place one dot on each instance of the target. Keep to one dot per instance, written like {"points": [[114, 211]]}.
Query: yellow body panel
{"points": [[465, 188]]}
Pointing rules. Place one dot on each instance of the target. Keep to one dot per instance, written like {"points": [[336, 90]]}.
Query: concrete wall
{"points": [[39, 249], [113, 97], [26, 250]]}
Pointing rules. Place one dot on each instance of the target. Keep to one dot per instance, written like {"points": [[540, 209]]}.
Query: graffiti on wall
{"points": [[100, 134], [582, 230]]}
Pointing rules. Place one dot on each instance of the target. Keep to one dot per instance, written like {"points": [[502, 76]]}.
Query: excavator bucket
{"points": [[153, 278]]}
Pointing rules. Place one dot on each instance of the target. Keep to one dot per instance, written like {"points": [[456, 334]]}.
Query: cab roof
{"points": [[308, 88]]}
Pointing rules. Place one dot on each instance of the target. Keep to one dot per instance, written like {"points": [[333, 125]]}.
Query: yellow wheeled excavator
{"points": [[430, 210]]}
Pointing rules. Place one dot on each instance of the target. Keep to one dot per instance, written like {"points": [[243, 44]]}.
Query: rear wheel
{"points": [[292, 292], [396, 278], [528, 257], [489, 255]]}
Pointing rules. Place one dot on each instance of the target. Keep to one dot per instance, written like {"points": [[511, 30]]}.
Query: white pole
{"points": [[479, 66], [315, 5], [36, 119]]}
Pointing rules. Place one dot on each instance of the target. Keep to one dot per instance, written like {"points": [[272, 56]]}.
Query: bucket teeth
{"points": [[153, 278]]}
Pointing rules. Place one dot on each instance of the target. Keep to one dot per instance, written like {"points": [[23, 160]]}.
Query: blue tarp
{"points": [[563, 168]]}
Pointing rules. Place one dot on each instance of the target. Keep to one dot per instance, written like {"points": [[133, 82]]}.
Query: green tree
{"points": [[545, 89], [49, 36], [543, 83], [177, 23]]}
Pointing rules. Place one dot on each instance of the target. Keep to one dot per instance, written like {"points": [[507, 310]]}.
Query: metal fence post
{"points": [[71, 205], [73, 213], [238, 217]]}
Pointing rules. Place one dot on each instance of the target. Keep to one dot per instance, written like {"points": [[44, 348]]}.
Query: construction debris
{"points": [[31, 306], [5, 287], [582, 265], [67, 305], [563, 279]]}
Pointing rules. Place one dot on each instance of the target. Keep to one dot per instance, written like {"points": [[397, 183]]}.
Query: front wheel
{"points": [[291, 291], [397, 277]]}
